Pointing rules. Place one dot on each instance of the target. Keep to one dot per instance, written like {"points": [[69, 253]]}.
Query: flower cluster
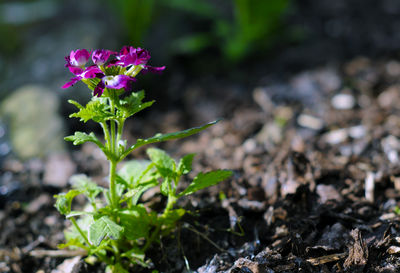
{"points": [[117, 72]]}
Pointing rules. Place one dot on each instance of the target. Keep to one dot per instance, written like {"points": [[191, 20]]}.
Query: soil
{"points": [[315, 189], [315, 155]]}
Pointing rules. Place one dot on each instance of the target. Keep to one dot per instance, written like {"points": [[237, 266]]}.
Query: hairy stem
{"points": [[113, 187]]}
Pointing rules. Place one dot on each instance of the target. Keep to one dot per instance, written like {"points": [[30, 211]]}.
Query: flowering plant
{"points": [[117, 228]]}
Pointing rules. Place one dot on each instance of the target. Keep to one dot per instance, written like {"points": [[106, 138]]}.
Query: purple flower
{"points": [[113, 82], [77, 58], [100, 56], [132, 56], [130, 60]]}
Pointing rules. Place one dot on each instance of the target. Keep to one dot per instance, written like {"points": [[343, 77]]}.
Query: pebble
{"points": [[336, 136], [68, 265], [343, 101], [310, 122], [328, 192], [357, 132]]}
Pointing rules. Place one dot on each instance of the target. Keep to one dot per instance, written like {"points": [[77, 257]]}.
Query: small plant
{"points": [[115, 227]]}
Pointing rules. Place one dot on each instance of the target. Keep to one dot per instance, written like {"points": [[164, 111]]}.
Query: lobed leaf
{"points": [[133, 104], [64, 201], [79, 138], [136, 171], [164, 163], [95, 110], [185, 164], [204, 180], [84, 184], [138, 190], [136, 222], [104, 227]]}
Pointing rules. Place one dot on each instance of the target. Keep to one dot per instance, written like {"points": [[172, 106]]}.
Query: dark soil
{"points": [[315, 189]]}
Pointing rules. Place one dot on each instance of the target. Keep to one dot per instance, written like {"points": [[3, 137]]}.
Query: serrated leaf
{"points": [[204, 180], [169, 136], [64, 201], [95, 110], [84, 184], [79, 138], [185, 164], [135, 193], [133, 104], [71, 233], [164, 163], [104, 227], [136, 171], [136, 222]]}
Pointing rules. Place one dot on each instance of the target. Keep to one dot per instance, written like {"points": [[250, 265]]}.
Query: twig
{"points": [[40, 253]]}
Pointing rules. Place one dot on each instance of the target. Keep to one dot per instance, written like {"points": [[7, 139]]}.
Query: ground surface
{"points": [[316, 183], [314, 147]]}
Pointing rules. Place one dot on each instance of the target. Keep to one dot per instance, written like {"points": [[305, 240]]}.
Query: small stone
{"points": [[68, 265], [328, 192], [357, 132], [343, 101], [310, 122], [336, 136], [393, 250]]}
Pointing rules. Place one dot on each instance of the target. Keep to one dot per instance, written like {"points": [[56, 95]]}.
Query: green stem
{"points": [[120, 126], [80, 231], [113, 189], [106, 134]]}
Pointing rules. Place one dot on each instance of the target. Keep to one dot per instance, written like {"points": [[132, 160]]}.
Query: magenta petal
{"points": [[98, 90], [100, 56], [118, 82], [92, 72], [75, 70], [153, 69], [79, 57], [71, 82]]}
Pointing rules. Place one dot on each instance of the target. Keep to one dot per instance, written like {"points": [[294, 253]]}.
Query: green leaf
{"points": [[169, 136], [132, 104], [74, 213], [79, 138], [103, 227], [138, 190], [185, 164], [85, 185], [164, 163], [72, 243], [204, 180], [95, 110], [173, 216], [136, 222], [64, 201], [166, 186], [136, 171], [72, 234]]}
